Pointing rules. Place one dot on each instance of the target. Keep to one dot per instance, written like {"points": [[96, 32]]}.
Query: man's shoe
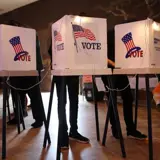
{"points": [[78, 137], [37, 124], [136, 135], [115, 133]]}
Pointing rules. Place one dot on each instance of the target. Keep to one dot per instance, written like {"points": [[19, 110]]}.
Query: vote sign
{"points": [[79, 43]]}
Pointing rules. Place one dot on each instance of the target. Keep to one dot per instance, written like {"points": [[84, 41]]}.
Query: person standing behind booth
{"points": [[26, 82], [72, 83], [121, 82]]}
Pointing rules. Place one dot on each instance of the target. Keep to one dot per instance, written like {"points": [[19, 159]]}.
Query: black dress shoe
{"points": [[78, 137], [37, 124], [136, 135]]}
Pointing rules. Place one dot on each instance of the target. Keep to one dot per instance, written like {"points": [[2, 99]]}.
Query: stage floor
{"points": [[28, 145]]}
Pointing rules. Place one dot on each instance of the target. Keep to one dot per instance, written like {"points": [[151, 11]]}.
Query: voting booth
{"points": [[79, 43], [17, 48], [137, 44]]}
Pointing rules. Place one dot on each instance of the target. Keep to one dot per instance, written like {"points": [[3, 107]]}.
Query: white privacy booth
{"points": [[79, 43], [17, 59], [137, 51], [79, 47], [17, 48], [137, 45]]}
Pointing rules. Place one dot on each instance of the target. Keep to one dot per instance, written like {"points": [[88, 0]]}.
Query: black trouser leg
{"points": [[73, 90], [123, 85], [33, 93], [61, 101], [62, 128], [36, 101], [120, 82]]}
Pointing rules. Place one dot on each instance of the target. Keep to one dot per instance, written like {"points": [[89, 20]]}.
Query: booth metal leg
{"points": [[115, 110], [96, 108], [60, 126], [106, 125], [136, 100], [58, 145], [17, 110], [21, 112], [17, 114], [46, 125], [149, 118], [9, 113], [49, 113], [4, 118]]}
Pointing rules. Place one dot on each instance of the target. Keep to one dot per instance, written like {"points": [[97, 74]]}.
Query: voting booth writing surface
{"points": [[79, 43], [17, 48], [137, 44]]}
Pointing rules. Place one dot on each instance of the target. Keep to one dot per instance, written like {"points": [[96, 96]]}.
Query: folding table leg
{"points": [[45, 125], [149, 118], [106, 124], [136, 100], [96, 108], [60, 126], [114, 103], [9, 113], [4, 118], [17, 114], [49, 113], [21, 112]]}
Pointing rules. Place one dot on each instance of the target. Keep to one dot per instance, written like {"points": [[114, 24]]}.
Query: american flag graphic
{"points": [[128, 41], [57, 36], [83, 32], [16, 43]]}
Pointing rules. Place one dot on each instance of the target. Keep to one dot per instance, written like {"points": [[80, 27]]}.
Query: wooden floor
{"points": [[28, 145]]}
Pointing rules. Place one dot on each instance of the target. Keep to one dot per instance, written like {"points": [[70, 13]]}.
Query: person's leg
{"points": [[123, 84], [13, 121], [36, 101], [73, 90], [17, 82], [62, 109], [124, 87]]}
